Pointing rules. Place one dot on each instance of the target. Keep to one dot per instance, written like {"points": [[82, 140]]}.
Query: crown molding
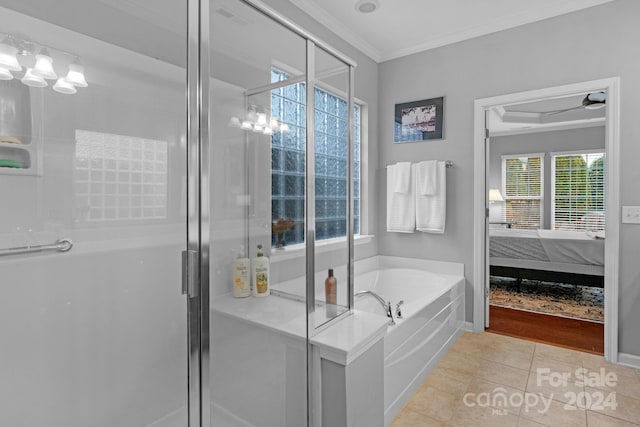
{"points": [[335, 25], [533, 15], [495, 26]]}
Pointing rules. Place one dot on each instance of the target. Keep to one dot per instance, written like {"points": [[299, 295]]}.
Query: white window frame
{"points": [[553, 155], [503, 182]]}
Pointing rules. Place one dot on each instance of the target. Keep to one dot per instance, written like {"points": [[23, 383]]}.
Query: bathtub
{"points": [[432, 317]]}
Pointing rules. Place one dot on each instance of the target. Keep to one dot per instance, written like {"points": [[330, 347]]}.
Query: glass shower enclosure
{"points": [[282, 159], [93, 325], [135, 166]]}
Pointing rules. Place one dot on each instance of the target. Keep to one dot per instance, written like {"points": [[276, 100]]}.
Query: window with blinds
{"points": [[578, 191], [522, 189]]}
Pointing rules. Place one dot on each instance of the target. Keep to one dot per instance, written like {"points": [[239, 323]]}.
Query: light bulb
{"points": [[262, 119], [44, 66], [62, 86], [75, 76], [30, 79], [8, 59], [5, 74]]}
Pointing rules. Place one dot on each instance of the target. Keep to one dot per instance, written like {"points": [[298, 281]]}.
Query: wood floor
{"points": [[569, 333]]}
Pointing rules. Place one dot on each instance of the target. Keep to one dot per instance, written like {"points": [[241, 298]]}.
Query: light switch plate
{"points": [[631, 214]]}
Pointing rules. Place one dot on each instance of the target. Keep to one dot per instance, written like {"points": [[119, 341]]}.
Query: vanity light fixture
{"points": [[75, 76], [256, 120], [33, 80], [13, 47], [5, 74], [8, 58], [44, 65], [64, 87]]}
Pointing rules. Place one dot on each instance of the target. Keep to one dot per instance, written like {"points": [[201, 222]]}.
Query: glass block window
{"points": [[578, 191], [288, 105], [522, 187], [120, 177]]}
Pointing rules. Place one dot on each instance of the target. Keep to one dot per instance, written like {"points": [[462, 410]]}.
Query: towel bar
{"points": [[62, 245], [447, 164]]}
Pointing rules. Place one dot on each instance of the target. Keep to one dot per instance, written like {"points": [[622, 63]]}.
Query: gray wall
{"points": [[552, 52], [541, 142]]}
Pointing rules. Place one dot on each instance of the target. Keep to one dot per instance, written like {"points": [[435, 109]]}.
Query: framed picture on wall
{"points": [[419, 120]]}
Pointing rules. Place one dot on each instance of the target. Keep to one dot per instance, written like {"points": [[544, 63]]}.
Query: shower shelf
{"points": [[27, 154]]}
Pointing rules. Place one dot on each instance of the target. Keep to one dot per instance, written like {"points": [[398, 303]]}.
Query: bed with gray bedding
{"points": [[551, 255]]}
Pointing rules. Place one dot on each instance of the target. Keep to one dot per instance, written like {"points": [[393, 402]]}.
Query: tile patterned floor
{"points": [[494, 380]]}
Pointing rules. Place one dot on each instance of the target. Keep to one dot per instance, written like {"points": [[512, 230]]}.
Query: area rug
{"points": [[559, 299]]}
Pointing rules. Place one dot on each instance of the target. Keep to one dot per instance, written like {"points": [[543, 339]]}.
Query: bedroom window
{"points": [[578, 189], [288, 154], [522, 178]]}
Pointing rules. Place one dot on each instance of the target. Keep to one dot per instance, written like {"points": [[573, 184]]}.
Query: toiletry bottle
{"points": [[241, 277], [331, 294], [260, 274]]}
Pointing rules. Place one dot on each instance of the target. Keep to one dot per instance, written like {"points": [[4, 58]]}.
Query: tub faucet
{"points": [[385, 305], [398, 311]]}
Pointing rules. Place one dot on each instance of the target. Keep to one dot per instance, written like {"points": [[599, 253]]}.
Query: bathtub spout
{"points": [[385, 305]]}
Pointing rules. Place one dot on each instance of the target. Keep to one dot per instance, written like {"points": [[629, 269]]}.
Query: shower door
{"points": [[93, 181], [264, 193]]}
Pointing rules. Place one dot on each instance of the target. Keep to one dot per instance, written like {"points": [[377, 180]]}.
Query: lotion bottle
{"points": [[260, 274], [331, 294], [241, 277]]}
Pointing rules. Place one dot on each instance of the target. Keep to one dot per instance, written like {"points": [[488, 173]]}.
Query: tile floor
{"points": [[494, 380]]}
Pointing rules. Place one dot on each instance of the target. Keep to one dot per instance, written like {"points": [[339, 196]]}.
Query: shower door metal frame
{"points": [[198, 172], [196, 257]]}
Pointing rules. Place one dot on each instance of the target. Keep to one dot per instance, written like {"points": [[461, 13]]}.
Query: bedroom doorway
{"points": [[546, 183]]}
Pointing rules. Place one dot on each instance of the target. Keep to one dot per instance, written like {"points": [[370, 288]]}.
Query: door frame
{"points": [[612, 148]]}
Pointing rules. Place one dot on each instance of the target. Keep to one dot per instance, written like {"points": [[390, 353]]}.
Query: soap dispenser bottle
{"points": [[241, 277], [331, 294], [260, 274]]}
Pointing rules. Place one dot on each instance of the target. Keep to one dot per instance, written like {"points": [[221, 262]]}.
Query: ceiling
{"points": [[402, 27], [544, 115]]}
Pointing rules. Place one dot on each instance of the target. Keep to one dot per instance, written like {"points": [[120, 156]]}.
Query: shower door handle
{"points": [[190, 273]]}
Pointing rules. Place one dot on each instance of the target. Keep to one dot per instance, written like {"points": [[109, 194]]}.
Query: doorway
{"points": [[516, 106]]}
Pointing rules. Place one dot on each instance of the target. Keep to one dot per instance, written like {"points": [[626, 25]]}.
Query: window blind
{"points": [[578, 191], [522, 189]]}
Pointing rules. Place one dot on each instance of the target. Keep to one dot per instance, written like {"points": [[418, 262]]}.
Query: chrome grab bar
{"points": [[62, 245]]}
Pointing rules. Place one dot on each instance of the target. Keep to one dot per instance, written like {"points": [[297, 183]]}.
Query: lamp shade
{"points": [[75, 76], [495, 196], [33, 80], [44, 66], [5, 74], [8, 59], [63, 86]]}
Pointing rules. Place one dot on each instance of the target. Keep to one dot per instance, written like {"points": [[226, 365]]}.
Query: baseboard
{"points": [[629, 360], [467, 326]]}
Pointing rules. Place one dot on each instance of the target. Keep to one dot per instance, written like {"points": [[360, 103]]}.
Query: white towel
{"points": [[400, 173], [401, 207], [427, 177], [431, 210]]}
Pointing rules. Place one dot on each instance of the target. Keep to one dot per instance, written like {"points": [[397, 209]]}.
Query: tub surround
{"points": [[374, 366]]}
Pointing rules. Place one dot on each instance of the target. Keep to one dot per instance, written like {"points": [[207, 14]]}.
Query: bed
{"points": [[562, 256]]}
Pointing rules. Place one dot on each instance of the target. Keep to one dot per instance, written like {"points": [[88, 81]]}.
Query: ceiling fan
{"points": [[592, 101]]}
